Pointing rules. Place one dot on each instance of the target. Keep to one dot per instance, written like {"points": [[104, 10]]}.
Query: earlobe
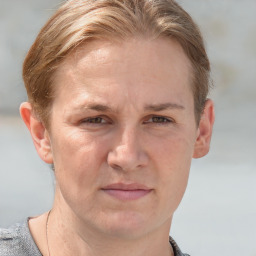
{"points": [[202, 144], [39, 134]]}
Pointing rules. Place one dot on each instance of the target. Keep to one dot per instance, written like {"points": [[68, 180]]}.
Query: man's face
{"points": [[122, 134]]}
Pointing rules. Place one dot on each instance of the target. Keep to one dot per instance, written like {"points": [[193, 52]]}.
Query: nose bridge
{"points": [[127, 152], [128, 137]]}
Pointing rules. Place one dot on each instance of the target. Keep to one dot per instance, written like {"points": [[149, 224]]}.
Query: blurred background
{"points": [[218, 213]]}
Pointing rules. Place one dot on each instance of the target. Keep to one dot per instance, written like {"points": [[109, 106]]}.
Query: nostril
{"points": [[116, 167]]}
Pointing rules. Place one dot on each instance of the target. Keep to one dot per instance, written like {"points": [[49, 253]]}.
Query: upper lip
{"points": [[126, 186]]}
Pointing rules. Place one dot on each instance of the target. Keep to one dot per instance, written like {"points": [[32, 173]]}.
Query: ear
{"points": [[203, 140], [39, 134]]}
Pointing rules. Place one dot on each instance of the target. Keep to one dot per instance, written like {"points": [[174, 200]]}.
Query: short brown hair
{"points": [[80, 21]]}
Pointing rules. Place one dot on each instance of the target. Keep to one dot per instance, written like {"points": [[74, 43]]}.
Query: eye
{"points": [[159, 120], [94, 120]]}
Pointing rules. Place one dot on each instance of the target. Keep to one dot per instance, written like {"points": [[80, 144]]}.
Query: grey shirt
{"points": [[17, 241]]}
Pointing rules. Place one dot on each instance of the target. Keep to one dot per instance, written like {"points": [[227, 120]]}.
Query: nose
{"points": [[127, 153]]}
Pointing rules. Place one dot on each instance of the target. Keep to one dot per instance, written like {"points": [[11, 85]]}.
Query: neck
{"points": [[67, 235]]}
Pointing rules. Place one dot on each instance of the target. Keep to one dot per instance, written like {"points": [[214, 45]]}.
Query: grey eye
{"points": [[94, 120], [160, 119]]}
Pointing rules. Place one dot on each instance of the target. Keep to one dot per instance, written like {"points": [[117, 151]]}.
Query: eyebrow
{"points": [[163, 106], [96, 107], [151, 107]]}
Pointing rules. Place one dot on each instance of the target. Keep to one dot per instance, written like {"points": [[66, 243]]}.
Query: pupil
{"points": [[158, 119], [96, 120]]}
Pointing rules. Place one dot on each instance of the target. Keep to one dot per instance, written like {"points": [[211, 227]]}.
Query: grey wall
{"points": [[229, 27], [20, 22]]}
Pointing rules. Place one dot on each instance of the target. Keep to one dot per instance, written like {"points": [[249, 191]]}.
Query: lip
{"points": [[122, 191]]}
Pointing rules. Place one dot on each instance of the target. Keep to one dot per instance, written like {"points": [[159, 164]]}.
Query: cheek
{"points": [[174, 160], [175, 151], [79, 164], [78, 159]]}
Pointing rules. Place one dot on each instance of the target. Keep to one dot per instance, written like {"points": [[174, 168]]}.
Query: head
{"points": [[79, 22], [117, 93]]}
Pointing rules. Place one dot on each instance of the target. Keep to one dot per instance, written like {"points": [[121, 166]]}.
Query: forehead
{"points": [[105, 52], [140, 64]]}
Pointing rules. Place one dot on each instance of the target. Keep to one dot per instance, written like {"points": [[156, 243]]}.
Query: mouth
{"points": [[126, 192]]}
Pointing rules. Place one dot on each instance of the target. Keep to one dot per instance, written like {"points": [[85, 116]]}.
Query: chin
{"points": [[128, 225]]}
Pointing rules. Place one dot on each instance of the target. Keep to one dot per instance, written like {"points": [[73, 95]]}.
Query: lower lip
{"points": [[127, 194]]}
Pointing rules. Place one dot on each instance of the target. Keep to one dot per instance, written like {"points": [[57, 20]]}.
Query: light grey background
{"points": [[218, 213]]}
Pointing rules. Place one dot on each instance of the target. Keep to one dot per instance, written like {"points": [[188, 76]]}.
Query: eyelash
{"points": [[93, 120], [163, 120], [98, 120]]}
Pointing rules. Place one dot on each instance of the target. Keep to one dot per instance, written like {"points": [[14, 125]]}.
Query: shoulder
{"points": [[176, 249], [17, 240]]}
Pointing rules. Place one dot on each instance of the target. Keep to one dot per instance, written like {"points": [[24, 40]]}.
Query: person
{"points": [[117, 104]]}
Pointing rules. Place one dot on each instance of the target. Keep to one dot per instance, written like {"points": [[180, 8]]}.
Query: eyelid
{"points": [[91, 118], [167, 120]]}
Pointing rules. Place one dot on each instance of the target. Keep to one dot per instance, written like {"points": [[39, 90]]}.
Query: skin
{"points": [[123, 114]]}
